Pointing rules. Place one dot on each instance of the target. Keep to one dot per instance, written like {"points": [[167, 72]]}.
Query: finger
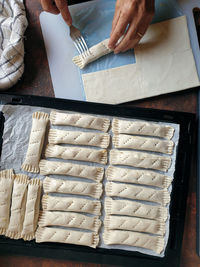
{"points": [[48, 6], [115, 20], [64, 10], [119, 30], [133, 35]]}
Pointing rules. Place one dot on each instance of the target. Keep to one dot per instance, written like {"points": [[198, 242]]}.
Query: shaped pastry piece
{"points": [[47, 234], [69, 219], [143, 143], [142, 128], [80, 120], [139, 160], [76, 153], [32, 209], [6, 185], [51, 185], [99, 50], [71, 169], [134, 239], [133, 208], [112, 222], [137, 192], [39, 123], [18, 205], [79, 138], [82, 205], [133, 176]]}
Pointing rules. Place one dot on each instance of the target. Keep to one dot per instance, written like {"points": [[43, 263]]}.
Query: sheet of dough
{"points": [[83, 205], [164, 64], [117, 237], [6, 185], [71, 169], [51, 185], [69, 219], [32, 209], [135, 224], [47, 234], [133, 176], [76, 153], [80, 120], [133, 208], [137, 192]]}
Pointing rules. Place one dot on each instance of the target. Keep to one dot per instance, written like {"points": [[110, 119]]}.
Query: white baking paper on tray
{"points": [[17, 127]]}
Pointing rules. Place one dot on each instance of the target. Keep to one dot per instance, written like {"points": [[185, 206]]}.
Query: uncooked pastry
{"points": [[133, 176], [83, 205], [139, 160], [112, 222], [95, 52], [161, 57], [18, 205], [80, 120], [39, 123], [133, 208], [142, 128], [137, 192], [51, 185], [47, 234], [143, 143], [76, 153], [79, 138], [69, 219], [71, 169], [117, 237], [32, 209], [6, 185]]}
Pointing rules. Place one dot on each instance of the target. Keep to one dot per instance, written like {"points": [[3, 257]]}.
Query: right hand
{"points": [[56, 7]]}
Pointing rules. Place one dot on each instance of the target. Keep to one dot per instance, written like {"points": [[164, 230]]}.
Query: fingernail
{"points": [[116, 52]]}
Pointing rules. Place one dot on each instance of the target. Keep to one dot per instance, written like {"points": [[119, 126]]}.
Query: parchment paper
{"points": [[17, 127]]}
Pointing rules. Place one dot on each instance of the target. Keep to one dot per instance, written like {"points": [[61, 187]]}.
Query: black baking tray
{"points": [[178, 195]]}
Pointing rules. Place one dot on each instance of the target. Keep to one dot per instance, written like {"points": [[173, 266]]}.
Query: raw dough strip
{"points": [[139, 160], [142, 128], [143, 143], [117, 237], [138, 177], [99, 50], [80, 120], [71, 169], [18, 206], [55, 203], [32, 209], [136, 209], [47, 234], [69, 219], [39, 123], [79, 138], [137, 192], [51, 185], [76, 153], [112, 222], [6, 185]]}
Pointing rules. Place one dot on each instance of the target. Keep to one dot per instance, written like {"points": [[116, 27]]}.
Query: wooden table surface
{"points": [[37, 81]]}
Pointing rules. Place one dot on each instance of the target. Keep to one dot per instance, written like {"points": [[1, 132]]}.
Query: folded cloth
{"points": [[13, 23]]}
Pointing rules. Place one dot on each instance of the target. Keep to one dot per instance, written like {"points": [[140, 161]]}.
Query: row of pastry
{"points": [[19, 205], [77, 213], [131, 218]]}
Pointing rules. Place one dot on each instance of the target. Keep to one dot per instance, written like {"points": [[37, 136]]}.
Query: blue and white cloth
{"points": [[13, 24]]}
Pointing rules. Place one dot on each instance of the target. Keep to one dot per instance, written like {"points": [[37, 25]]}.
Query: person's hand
{"points": [[131, 20], [56, 7]]}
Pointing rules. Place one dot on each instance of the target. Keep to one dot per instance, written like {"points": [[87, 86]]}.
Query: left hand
{"points": [[131, 19]]}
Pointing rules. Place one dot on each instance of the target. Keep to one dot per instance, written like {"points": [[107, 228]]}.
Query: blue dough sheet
{"points": [[95, 23]]}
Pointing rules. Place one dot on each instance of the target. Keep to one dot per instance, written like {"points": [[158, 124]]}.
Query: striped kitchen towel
{"points": [[13, 23]]}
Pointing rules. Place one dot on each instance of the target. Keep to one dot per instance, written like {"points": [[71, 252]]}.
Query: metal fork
{"points": [[79, 41]]}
